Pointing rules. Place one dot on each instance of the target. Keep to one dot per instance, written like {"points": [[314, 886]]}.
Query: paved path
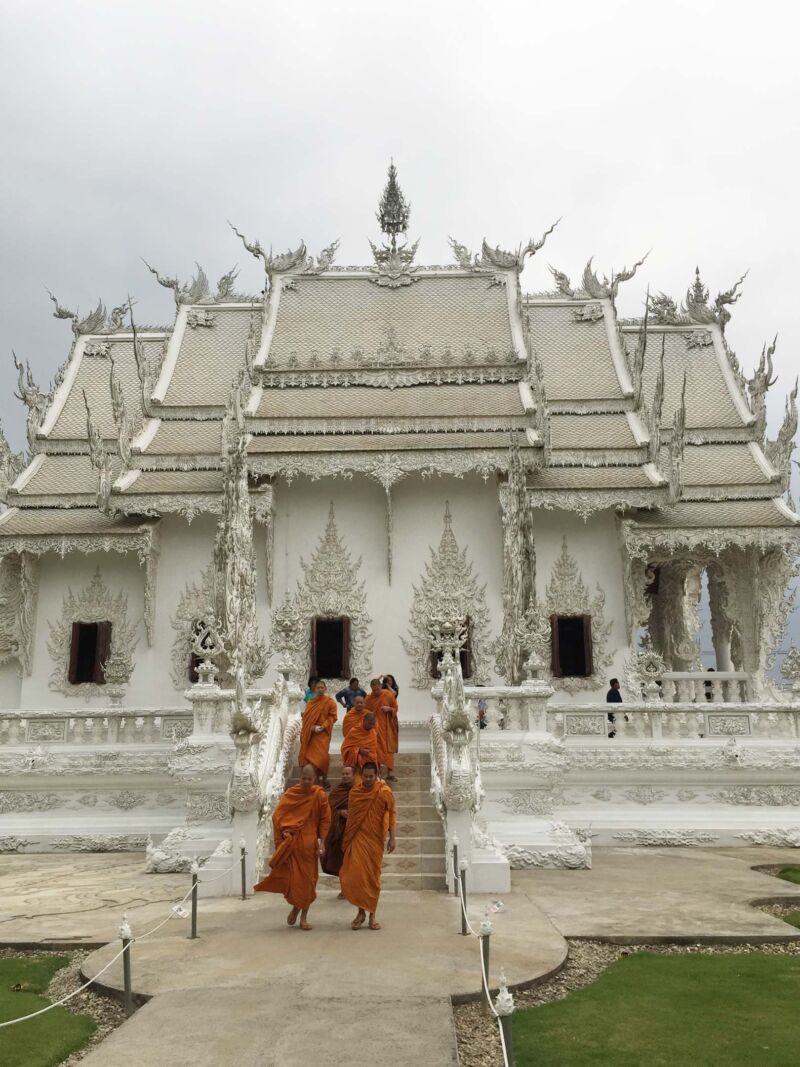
{"points": [[252, 992], [648, 894]]}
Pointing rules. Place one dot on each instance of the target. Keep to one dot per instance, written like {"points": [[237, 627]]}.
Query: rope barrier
{"points": [[484, 976], [173, 913]]}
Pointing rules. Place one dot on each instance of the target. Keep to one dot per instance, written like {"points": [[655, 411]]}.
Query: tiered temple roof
{"points": [[393, 368]]}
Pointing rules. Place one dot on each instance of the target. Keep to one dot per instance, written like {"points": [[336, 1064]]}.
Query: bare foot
{"points": [[292, 917], [358, 922], [374, 924], [305, 925], [340, 896]]}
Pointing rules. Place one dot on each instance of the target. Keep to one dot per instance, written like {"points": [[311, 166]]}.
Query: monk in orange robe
{"points": [[361, 744], [315, 733], [354, 714], [300, 825], [338, 800], [384, 703], [371, 812]]}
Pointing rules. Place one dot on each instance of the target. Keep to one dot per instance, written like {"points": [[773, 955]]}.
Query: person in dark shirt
{"points": [[346, 696], [613, 696]]}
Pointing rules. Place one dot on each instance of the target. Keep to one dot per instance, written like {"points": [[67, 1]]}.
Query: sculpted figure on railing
{"points": [[453, 728]]}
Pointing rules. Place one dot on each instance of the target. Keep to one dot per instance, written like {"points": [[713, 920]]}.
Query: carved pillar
{"points": [[264, 514], [519, 570], [721, 622], [673, 620]]}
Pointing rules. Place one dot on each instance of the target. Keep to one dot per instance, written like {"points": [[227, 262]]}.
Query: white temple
{"points": [[363, 468]]}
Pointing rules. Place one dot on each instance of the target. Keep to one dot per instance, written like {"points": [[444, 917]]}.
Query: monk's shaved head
{"points": [[369, 720], [375, 685], [358, 702], [347, 775], [308, 775]]}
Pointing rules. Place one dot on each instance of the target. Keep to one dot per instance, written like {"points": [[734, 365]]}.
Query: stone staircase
{"points": [[419, 860]]}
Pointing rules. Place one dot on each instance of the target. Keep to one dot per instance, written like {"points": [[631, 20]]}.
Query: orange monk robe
{"points": [[351, 716], [370, 814], [294, 866], [338, 800], [358, 738], [386, 724], [314, 747]]}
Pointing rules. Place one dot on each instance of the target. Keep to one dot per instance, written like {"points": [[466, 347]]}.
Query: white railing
{"points": [[98, 726], [715, 687], [673, 722]]}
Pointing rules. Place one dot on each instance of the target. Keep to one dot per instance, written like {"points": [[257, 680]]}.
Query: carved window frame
{"points": [[94, 603], [567, 594]]}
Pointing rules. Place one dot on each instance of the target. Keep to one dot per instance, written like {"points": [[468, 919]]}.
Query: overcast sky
{"points": [[135, 129]]}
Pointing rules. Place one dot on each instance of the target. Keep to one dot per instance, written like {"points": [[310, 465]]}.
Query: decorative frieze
{"points": [[208, 807]]}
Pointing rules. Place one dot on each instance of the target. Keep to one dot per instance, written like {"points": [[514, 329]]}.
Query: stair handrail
{"points": [[275, 763]]}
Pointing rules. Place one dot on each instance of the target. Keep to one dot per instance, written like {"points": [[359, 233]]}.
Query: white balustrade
{"points": [[713, 687], [98, 726], [673, 722]]}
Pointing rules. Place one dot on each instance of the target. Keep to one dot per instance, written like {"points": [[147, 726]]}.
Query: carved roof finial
{"points": [[393, 211]]}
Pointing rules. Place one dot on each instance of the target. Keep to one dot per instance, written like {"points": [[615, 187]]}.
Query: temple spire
{"points": [[393, 211]]}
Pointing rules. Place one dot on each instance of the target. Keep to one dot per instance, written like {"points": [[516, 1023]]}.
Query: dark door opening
{"points": [[330, 647], [571, 638], [89, 650]]}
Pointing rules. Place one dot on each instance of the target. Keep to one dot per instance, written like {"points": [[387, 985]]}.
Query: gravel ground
{"points": [[107, 1013], [478, 1041]]}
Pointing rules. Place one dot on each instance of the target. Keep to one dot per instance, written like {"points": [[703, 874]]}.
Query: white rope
{"points": [[80, 989], [484, 976], [69, 996], [207, 881]]}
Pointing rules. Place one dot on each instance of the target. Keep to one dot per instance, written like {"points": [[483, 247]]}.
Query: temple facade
{"points": [[503, 499]]}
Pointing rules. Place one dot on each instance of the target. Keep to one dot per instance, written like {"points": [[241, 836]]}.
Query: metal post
{"points": [[243, 853], [463, 880], [127, 938], [193, 933], [504, 1006], [455, 864], [486, 933]]}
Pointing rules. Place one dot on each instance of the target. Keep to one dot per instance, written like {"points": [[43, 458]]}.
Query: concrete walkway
{"points": [[652, 894], [253, 992]]}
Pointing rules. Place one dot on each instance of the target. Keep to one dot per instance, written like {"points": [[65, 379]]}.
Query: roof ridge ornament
{"points": [[31, 395], [758, 386], [191, 292], [609, 287], [779, 451], [697, 308], [393, 263], [292, 261], [498, 258], [94, 322], [393, 210]]}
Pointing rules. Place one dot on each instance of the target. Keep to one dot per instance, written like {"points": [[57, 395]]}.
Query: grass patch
{"points": [[790, 874], [705, 1010], [47, 1040], [793, 918]]}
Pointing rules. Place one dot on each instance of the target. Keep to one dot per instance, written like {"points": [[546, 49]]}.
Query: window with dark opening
{"points": [[89, 650], [330, 647], [465, 655], [571, 643]]}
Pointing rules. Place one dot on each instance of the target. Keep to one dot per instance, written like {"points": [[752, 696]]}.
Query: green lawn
{"points": [[790, 874], [47, 1040], [671, 1011], [793, 918]]}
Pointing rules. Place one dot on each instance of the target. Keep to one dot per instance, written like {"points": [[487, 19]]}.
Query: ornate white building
{"points": [[419, 445]]}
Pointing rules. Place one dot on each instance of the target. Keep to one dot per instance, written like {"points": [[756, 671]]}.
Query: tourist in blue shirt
{"points": [[346, 696]]}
